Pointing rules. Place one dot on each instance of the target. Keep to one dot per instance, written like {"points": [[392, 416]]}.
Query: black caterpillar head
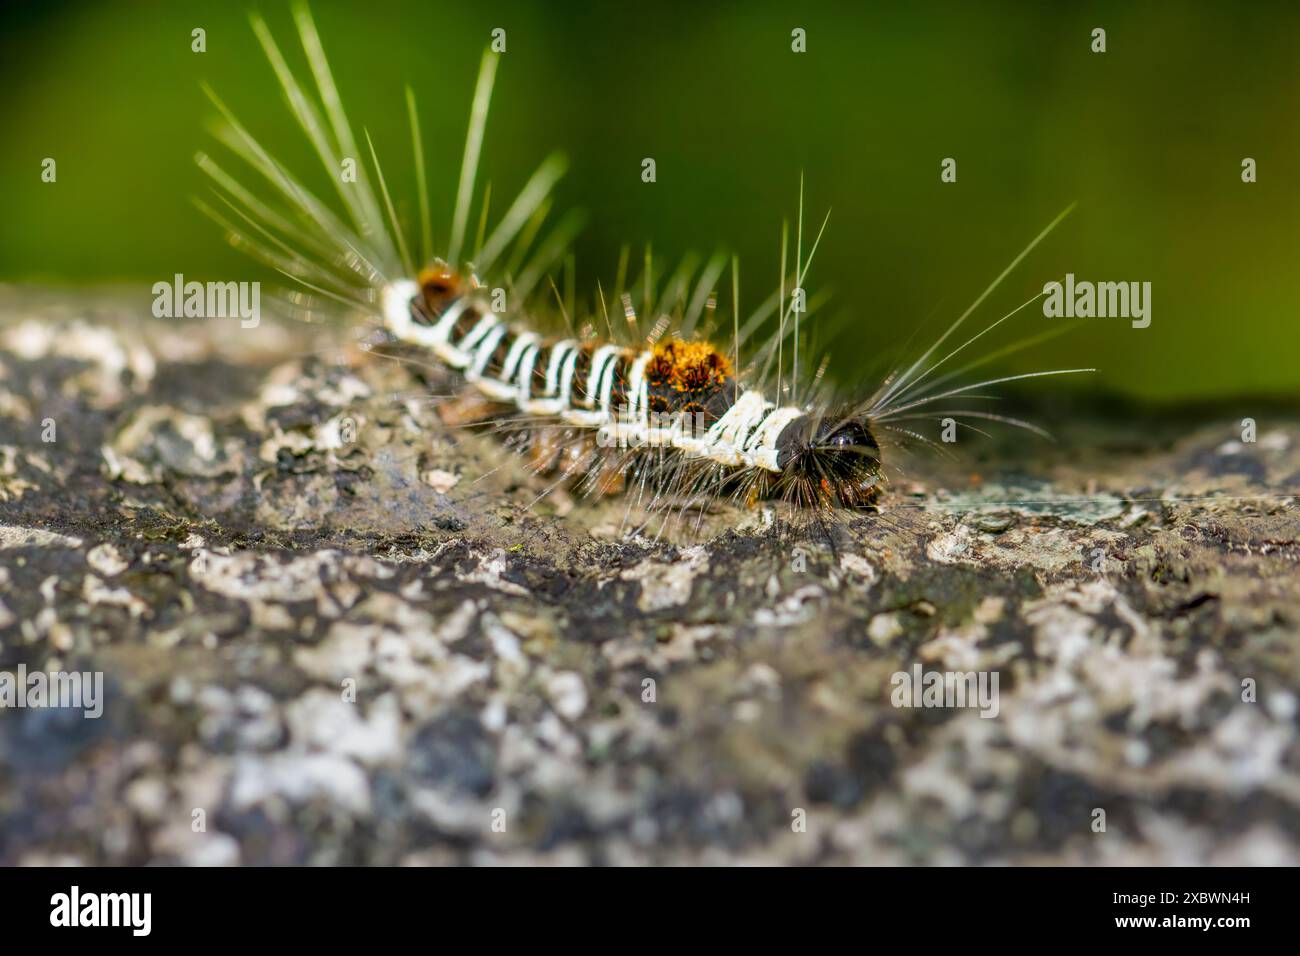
{"points": [[829, 462]]}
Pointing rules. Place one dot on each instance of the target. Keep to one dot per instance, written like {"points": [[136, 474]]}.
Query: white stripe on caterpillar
{"points": [[395, 302], [482, 328], [522, 342], [762, 444], [726, 437], [526, 366], [551, 402], [638, 387], [567, 366], [501, 387], [559, 354], [602, 361], [441, 333]]}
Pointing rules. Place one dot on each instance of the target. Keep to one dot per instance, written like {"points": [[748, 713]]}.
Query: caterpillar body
{"points": [[671, 413], [679, 394]]}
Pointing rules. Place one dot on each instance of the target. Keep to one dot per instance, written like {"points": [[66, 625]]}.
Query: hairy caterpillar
{"points": [[672, 414]]}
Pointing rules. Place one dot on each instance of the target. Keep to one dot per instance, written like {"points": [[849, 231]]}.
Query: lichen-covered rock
{"points": [[332, 630]]}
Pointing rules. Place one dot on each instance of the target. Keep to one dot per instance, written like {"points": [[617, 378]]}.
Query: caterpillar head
{"points": [[440, 286], [829, 462]]}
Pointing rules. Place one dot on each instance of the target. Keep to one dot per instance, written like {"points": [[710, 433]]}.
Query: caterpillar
{"points": [[683, 412], [679, 395]]}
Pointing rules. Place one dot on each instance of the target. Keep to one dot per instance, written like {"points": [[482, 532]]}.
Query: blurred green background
{"points": [[1148, 137]]}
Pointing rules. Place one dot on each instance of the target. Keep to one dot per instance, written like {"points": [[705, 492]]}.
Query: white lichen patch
{"points": [[439, 480], [512, 662], [12, 486], [489, 572], [113, 360], [157, 439], [105, 559], [322, 721], [299, 778], [667, 584], [13, 405], [16, 537], [335, 434], [684, 644], [796, 608], [956, 649], [295, 442], [257, 577], [950, 547], [858, 566], [1051, 549], [567, 693], [385, 639], [883, 628], [96, 591]]}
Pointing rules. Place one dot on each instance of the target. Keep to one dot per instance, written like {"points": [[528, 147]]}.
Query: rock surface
{"points": [[332, 630]]}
